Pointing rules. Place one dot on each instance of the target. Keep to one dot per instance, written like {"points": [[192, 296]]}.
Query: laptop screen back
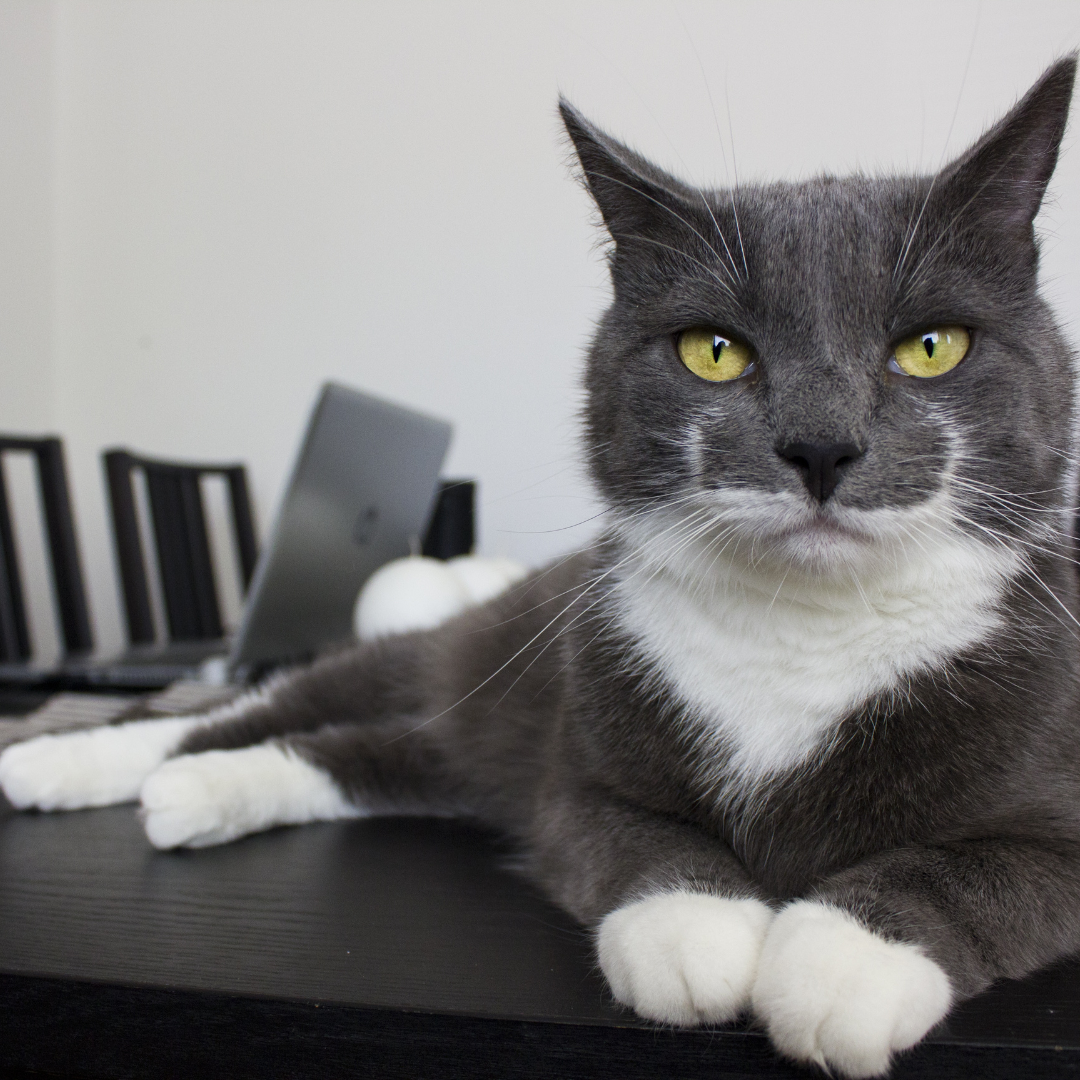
{"points": [[361, 492]]}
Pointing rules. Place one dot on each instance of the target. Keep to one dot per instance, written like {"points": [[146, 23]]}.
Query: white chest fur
{"points": [[772, 664]]}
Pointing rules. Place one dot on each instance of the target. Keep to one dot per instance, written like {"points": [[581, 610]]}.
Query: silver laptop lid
{"points": [[360, 494]]}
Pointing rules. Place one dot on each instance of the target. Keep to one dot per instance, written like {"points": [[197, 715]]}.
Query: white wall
{"points": [[249, 197], [27, 32], [27, 391]]}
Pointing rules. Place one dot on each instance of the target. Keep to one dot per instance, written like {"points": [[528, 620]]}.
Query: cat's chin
{"points": [[822, 545]]}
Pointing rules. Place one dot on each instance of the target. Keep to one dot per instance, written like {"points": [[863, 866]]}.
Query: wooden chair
{"points": [[67, 579], [184, 562]]}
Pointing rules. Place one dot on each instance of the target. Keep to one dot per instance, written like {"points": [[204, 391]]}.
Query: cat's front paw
{"points": [[683, 958], [197, 800], [97, 767], [833, 993]]}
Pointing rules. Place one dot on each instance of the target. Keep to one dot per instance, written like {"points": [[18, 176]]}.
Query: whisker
{"points": [[686, 255], [502, 667], [678, 217], [945, 149], [712, 105]]}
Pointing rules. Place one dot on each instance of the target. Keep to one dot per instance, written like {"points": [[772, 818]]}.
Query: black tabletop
{"points": [[383, 948]]}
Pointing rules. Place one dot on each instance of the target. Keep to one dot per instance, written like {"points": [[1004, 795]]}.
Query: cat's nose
{"points": [[820, 464]]}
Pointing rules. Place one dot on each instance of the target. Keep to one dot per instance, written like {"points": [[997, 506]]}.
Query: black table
{"points": [[380, 948]]}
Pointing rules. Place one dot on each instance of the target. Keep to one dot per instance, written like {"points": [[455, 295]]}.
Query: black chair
{"points": [[452, 528], [183, 547], [67, 578]]}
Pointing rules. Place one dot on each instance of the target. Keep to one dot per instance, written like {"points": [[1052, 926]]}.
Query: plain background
{"points": [[207, 207]]}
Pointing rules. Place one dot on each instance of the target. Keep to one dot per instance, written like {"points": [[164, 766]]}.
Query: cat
{"points": [[798, 735]]}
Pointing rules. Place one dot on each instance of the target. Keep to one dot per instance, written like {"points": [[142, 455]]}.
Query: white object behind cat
{"points": [[417, 593]]}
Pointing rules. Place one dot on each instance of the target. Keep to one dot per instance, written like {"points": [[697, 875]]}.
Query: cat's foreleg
{"points": [[108, 764], [875, 957], [340, 771], [197, 800], [354, 686], [105, 765], [679, 925]]}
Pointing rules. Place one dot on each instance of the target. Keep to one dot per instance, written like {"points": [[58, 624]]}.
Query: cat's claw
{"points": [[832, 993], [99, 767], [198, 800], [683, 958]]}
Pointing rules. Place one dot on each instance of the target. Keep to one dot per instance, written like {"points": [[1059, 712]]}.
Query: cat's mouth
{"points": [[784, 525], [821, 541], [823, 527]]}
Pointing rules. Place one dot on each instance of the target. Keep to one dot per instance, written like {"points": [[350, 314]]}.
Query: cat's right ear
{"points": [[634, 197], [1001, 180]]}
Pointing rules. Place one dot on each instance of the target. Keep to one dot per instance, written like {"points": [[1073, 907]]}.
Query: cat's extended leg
{"points": [[211, 797], [197, 800], [105, 765], [108, 764], [378, 680], [679, 924], [868, 963]]}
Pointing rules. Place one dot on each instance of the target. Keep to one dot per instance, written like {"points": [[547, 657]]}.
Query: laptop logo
{"points": [[363, 530]]}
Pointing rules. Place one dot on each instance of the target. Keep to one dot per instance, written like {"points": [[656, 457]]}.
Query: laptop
{"points": [[360, 494]]}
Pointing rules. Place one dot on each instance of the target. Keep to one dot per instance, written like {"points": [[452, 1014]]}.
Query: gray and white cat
{"points": [[799, 735]]}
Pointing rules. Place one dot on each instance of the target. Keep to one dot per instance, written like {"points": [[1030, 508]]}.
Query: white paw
{"points": [[99, 767], [201, 799], [834, 993], [683, 958]]}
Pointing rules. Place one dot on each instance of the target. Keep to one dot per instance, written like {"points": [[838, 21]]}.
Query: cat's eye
{"points": [[932, 352], [714, 356]]}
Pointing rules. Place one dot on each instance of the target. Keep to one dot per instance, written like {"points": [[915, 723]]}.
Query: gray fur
{"points": [[945, 812]]}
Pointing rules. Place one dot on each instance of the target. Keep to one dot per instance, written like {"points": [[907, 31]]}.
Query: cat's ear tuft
{"points": [[1001, 180], [634, 197]]}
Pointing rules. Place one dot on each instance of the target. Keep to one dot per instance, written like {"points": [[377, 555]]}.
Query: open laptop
{"points": [[361, 493]]}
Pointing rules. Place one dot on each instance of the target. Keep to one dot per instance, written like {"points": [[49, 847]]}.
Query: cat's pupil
{"points": [[718, 344], [928, 344]]}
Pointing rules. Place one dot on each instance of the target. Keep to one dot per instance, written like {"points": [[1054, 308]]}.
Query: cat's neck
{"points": [[772, 659]]}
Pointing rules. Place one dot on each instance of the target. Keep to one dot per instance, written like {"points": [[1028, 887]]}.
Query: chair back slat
{"points": [[246, 545], [63, 547], [14, 632], [187, 576], [129, 549], [204, 589]]}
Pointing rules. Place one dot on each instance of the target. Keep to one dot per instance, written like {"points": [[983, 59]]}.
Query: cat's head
{"points": [[821, 373]]}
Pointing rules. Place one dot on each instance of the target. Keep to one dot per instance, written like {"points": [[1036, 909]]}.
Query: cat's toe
{"points": [[683, 958], [833, 993], [98, 767]]}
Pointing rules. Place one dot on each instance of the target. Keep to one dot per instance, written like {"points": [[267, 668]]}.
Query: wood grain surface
{"points": [[397, 947]]}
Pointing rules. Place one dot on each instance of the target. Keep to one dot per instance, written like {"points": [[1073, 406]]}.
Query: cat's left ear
{"points": [[1001, 180], [634, 197]]}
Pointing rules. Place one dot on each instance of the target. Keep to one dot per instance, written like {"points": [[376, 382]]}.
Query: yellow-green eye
{"points": [[713, 356], [932, 352]]}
